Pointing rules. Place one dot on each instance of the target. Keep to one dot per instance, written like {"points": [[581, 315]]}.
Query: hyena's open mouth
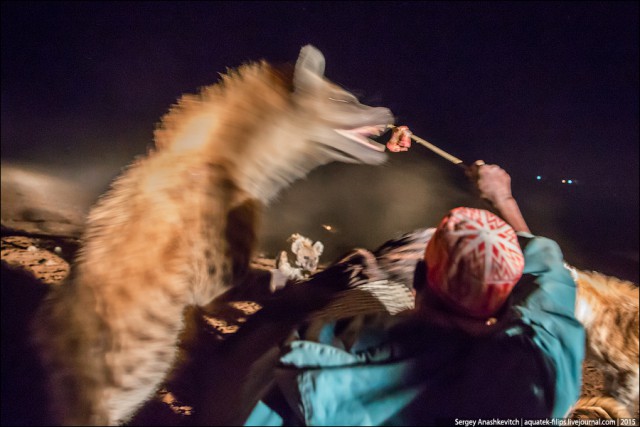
{"points": [[356, 146], [361, 136]]}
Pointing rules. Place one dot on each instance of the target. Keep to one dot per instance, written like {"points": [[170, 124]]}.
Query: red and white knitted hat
{"points": [[473, 261]]}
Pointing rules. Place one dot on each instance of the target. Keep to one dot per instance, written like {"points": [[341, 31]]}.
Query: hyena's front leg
{"points": [[240, 234], [140, 365]]}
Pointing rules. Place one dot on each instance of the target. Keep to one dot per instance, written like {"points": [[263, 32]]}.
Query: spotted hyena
{"points": [[178, 227]]}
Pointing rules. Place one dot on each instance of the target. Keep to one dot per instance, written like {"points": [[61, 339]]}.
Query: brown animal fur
{"points": [[608, 309], [178, 227], [601, 407]]}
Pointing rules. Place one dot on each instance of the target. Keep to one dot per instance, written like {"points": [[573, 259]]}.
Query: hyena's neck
{"points": [[261, 162], [261, 139], [277, 157]]}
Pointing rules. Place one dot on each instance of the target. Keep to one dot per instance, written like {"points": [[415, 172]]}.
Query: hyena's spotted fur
{"points": [[602, 407], [608, 309], [178, 227]]}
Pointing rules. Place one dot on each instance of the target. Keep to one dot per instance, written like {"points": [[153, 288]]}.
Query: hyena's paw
{"points": [[282, 261], [285, 269], [278, 280]]}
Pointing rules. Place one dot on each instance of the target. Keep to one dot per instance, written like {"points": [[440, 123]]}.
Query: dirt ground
{"points": [[31, 265]]}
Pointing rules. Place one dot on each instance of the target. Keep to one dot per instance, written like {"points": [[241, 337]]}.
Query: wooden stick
{"points": [[453, 159]]}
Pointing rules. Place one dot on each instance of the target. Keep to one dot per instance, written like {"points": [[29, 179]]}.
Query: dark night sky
{"points": [[540, 88]]}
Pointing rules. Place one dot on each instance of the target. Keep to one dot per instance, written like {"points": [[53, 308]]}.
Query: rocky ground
{"points": [[30, 266]]}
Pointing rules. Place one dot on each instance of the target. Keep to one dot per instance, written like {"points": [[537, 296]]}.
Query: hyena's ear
{"points": [[297, 245], [309, 68], [318, 247]]}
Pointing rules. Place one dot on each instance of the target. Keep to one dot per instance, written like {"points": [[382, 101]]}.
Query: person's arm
{"points": [[494, 185]]}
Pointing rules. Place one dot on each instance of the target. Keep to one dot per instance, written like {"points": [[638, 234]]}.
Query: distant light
{"points": [[564, 181], [329, 228], [538, 177], [570, 182]]}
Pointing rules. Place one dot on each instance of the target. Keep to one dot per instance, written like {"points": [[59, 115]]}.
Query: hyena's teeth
{"points": [[361, 138], [367, 131]]}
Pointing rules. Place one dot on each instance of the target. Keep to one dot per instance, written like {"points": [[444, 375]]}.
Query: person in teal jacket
{"points": [[493, 334]]}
